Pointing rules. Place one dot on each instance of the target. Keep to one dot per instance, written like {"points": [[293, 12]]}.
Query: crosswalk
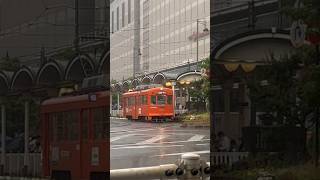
{"points": [[151, 140]]}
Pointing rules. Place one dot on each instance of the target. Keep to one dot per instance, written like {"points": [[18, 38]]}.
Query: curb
{"points": [[184, 125]]}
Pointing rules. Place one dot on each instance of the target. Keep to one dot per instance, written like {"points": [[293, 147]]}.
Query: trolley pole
{"points": [[26, 136], [3, 138]]}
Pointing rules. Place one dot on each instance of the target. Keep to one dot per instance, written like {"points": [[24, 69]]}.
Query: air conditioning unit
{"points": [[101, 81]]}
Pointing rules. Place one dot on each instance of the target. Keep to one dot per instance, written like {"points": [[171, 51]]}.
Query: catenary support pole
{"points": [[26, 135], [3, 137]]}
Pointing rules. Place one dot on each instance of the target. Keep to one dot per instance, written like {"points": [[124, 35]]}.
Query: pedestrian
{"points": [[233, 146], [224, 142]]}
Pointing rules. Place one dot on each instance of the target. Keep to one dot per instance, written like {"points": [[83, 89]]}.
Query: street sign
{"points": [[298, 33]]}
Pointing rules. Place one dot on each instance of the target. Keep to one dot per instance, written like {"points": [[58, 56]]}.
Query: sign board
{"points": [[298, 33], [95, 156]]}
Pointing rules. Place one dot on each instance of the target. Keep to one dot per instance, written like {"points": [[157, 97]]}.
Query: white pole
{"points": [[118, 103], [153, 172], [26, 134], [3, 136]]}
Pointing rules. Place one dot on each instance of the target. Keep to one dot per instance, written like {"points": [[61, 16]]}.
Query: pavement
{"points": [[139, 144]]}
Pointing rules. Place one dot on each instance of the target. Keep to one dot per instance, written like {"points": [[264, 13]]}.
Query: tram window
{"points": [[100, 123], [72, 125], [57, 126], [169, 99], [139, 100], [144, 100], [84, 131], [161, 99], [153, 100]]}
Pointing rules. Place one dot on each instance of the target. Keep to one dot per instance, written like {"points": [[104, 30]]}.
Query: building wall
{"points": [[47, 23], [165, 29]]}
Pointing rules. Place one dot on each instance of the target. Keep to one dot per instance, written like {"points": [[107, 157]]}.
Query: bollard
{"points": [[191, 163]]}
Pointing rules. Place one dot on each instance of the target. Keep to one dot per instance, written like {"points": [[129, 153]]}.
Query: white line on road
{"points": [[196, 137], [121, 137], [154, 139], [177, 154], [130, 131], [141, 147], [169, 142]]}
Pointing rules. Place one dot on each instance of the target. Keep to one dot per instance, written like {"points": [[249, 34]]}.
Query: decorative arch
{"points": [[104, 65], [146, 80], [253, 46], [159, 78], [50, 74], [74, 70], [190, 76], [135, 83], [4, 83], [23, 79]]}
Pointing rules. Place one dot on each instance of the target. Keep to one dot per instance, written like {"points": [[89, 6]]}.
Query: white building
{"points": [[157, 34]]}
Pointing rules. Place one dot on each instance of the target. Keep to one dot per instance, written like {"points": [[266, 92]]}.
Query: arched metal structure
{"points": [[50, 74], [135, 83], [77, 68], [126, 86], [104, 64], [146, 80], [4, 82], [23, 79], [159, 78], [189, 76]]}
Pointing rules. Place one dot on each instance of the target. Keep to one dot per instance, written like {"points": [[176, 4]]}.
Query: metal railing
{"points": [[228, 158], [14, 165]]}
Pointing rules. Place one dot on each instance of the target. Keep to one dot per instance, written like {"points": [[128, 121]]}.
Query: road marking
{"points": [[121, 137], [169, 142], [205, 144], [130, 131], [154, 139], [177, 154], [196, 137], [142, 147]]}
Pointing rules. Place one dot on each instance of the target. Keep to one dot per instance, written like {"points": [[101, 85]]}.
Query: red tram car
{"points": [[148, 104], [75, 139]]}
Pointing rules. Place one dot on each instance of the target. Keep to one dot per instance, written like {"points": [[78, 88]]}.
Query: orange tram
{"points": [[75, 139], [148, 104]]}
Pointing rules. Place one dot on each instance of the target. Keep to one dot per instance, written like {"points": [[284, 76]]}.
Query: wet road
{"points": [[139, 144]]}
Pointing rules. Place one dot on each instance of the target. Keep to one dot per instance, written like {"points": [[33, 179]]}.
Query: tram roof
{"points": [[73, 99]]}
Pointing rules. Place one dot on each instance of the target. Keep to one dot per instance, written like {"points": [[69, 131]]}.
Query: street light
{"points": [[204, 30]]}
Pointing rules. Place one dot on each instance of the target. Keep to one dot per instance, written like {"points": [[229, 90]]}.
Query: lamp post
{"points": [[204, 30], [172, 84]]}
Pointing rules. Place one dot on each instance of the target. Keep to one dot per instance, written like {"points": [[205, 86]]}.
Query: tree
{"points": [[9, 64]]}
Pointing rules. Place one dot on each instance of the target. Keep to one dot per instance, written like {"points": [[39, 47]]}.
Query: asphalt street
{"points": [[140, 144]]}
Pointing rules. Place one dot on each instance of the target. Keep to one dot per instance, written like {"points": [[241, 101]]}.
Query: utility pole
{"points": [[77, 38], [317, 117], [197, 43], [252, 16]]}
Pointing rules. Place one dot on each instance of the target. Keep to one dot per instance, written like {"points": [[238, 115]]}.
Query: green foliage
{"points": [[66, 54], [9, 64]]}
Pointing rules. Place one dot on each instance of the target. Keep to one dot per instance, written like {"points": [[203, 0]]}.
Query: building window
{"points": [[117, 18], [123, 11], [129, 11], [112, 21]]}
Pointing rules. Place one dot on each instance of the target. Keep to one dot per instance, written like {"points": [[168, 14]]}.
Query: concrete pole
{"points": [[118, 103], [3, 137], [26, 135]]}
